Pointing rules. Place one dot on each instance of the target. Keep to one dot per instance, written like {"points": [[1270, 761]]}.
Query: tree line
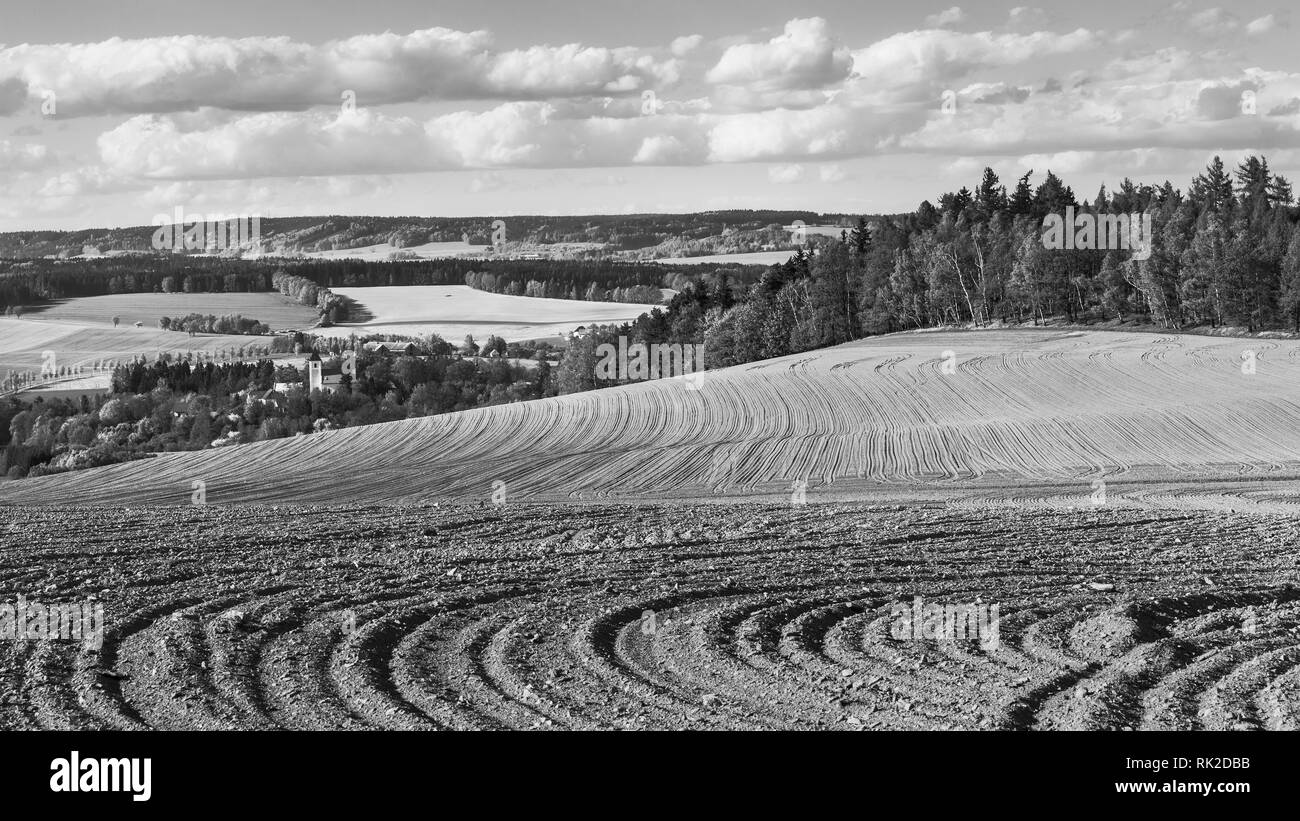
{"points": [[232, 324], [1225, 253]]}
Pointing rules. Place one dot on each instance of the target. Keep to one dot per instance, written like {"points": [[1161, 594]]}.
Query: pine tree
{"points": [[1279, 192], [990, 197], [1213, 189], [860, 238], [1052, 197]]}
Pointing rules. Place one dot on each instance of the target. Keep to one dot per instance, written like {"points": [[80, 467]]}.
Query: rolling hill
{"points": [[368, 237], [1026, 417]]}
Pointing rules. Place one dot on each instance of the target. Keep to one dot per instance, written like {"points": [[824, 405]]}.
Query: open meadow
{"points": [[273, 309], [453, 311], [24, 344]]}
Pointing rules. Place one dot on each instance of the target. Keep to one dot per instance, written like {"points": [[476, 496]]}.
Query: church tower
{"points": [[314, 378]]}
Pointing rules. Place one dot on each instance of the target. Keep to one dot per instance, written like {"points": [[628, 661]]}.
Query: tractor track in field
{"points": [[748, 616]]}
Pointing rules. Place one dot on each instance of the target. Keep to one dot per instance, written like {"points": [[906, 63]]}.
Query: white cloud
{"points": [[922, 58], [167, 74], [784, 174], [683, 46], [1261, 25], [660, 150], [824, 132], [260, 116], [947, 17], [804, 56]]}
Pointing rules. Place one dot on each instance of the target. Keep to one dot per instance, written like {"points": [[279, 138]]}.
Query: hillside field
{"points": [[23, 343], [274, 309], [1024, 417]]}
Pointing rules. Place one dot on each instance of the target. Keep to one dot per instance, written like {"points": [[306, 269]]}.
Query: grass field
{"points": [[23, 343], [383, 252], [452, 311], [753, 258], [274, 309]]}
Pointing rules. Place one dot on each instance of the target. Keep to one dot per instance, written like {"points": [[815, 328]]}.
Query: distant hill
{"points": [[631, 235]]}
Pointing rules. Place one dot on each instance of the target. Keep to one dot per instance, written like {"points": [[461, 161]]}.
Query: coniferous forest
{"points": [[1225, 253]]}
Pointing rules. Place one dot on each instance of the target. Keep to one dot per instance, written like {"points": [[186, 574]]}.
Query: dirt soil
{"points": [[654, 617]]}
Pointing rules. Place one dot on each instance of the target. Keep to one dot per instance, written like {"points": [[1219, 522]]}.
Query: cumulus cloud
{"points": [[682, 46], [167, 74], [1025, 17], [947, 17], [265, 112], [923, 58], [660, 150], [211, 145], [804, 56], [1114, 116], [1222, 101], [769, 135]]}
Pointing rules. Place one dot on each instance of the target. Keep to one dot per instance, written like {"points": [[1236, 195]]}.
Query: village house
{"points": [[385, 348]]}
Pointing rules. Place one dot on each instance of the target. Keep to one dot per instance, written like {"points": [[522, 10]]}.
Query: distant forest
{"points": [[621, 232], [27, 284]]}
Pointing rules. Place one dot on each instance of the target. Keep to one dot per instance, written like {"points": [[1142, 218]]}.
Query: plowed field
{"points": [[735, 556], [650, 617]]}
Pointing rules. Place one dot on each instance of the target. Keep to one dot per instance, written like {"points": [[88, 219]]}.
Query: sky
{"points": [[111, 114]]}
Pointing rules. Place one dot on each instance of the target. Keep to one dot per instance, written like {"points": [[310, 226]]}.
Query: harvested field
{"points": [[454, 311], [24, 341], [276, 310], [646, 617], [744, 258]]}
